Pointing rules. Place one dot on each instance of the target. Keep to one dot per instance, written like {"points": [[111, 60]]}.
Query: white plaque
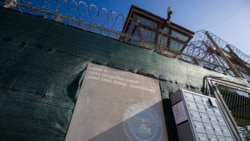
{"points": [[179, 111], [117, 105]]}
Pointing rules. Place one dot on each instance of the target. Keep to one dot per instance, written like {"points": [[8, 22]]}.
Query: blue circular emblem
{"points": [[142, 123]]}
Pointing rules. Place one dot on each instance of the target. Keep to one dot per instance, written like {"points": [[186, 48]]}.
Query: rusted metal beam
{"points": [[230, 64]]}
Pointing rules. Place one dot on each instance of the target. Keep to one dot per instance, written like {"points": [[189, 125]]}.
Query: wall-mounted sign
{"points": [[117, 105], [179, 111]]}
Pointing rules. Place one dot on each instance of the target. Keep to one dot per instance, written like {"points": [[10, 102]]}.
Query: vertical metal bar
{"points": [[237, 101], [225, 109]]}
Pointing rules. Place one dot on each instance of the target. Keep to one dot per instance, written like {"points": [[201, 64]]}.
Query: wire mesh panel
{"points": [[238, 102]]}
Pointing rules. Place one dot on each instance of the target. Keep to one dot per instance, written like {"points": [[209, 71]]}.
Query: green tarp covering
{"points": [[42, 63]]}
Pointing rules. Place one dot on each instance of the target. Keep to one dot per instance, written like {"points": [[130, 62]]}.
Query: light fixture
{"points": [[170, 12]]}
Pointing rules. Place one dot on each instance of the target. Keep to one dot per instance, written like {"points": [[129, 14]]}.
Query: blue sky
{"points": [[229, 19]]}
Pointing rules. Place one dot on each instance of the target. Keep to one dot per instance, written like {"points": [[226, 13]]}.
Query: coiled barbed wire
{"points": [[106, 22], [201, 51], [75, 13], [201, 39]]}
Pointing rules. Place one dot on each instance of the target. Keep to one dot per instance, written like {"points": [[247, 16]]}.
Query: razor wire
{"points": [[100, 20], [201, 47], [223, 45], [75, 13], [201, 51]]}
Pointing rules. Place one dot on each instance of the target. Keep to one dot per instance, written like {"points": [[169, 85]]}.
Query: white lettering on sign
{"points": [[107, 76]]}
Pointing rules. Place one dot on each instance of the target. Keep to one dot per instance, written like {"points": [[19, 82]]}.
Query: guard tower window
{"points": [[179, 35], [162, 41], [235, 100], [176, 46], [150, 31], [146, 22]]}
